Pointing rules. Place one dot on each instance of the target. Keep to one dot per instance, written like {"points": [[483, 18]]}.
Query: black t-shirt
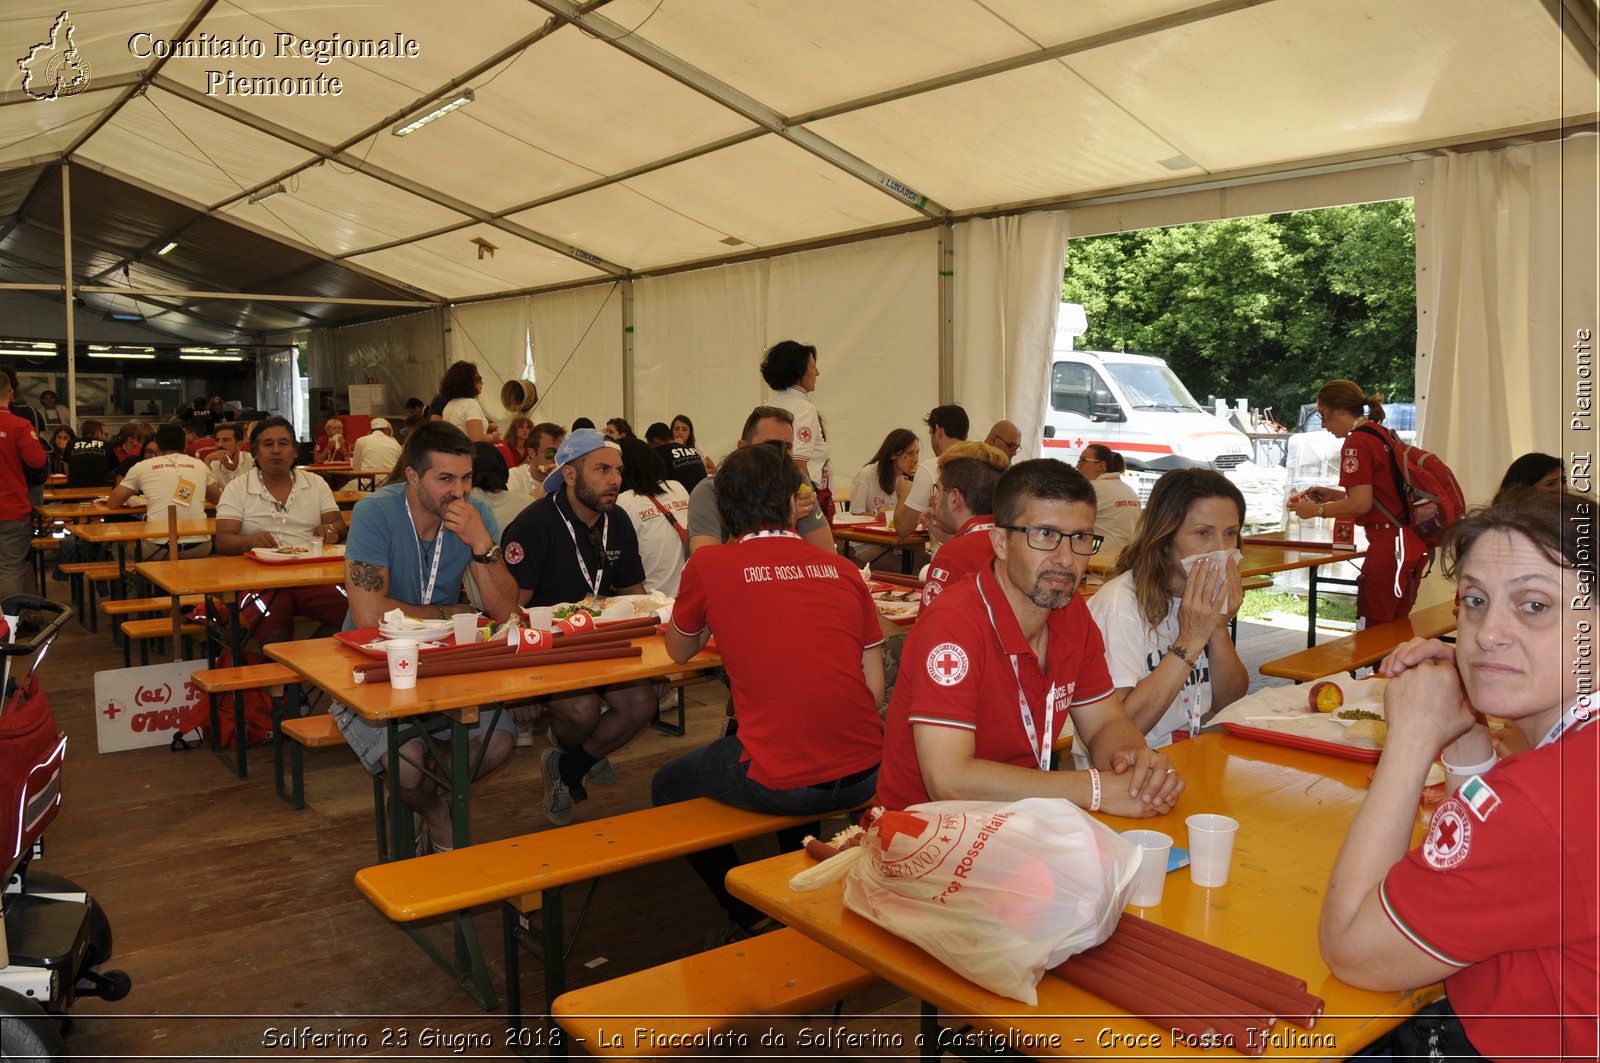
{"points": [[89, 463], [540, 553], [685, 465]]}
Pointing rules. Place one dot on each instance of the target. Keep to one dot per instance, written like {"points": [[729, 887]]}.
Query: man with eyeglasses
{"points": [[570, 545], [963, 507], [989, 678], [1116, 516], [766, 424], [1005, 437]]}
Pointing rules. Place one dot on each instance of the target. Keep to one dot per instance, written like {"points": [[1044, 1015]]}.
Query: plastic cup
{"points": [[540, 618], [402, 663], [1151, 880], [1211, 848], [466, 625], [314, 546]]}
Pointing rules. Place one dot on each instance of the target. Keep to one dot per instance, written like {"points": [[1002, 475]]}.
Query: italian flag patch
{"points": [[1478, 796]]}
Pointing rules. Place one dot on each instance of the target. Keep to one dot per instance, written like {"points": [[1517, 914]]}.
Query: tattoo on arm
{"points": [[368, 577]]}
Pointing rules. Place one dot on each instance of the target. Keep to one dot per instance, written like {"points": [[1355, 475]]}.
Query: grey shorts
{"points": [[371, 744]]}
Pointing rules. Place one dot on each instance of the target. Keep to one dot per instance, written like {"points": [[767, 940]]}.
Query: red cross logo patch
{"points": [[804, 435], [514, 554], [1449, 836], [947, 664]]}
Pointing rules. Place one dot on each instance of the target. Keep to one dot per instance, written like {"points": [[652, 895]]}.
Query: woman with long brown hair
{"points": [[1165, 622], [1368, 494]]}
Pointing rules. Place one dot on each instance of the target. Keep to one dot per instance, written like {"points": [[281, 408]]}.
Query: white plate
{"points": [[633, 606], [273, 554], [420, 630]]}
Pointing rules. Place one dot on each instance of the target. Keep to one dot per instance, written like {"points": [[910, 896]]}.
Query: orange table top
{"points": [[877, 535], [73, 494], [1294, 809], [131, 530], [228, 574], [91, 510], [329, 665]]}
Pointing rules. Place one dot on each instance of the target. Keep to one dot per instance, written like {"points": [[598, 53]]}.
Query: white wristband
{"points": [[1094, 781], [1475, 769]]}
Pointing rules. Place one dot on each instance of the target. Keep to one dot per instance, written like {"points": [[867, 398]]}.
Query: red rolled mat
{"points": [[1234, 1019], [1132, 924], [426, 669], [1138, 998], [1274, 994]]}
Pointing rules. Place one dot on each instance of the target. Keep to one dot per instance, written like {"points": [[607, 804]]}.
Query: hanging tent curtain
{"points": [[1506, 278], [404, 354]]}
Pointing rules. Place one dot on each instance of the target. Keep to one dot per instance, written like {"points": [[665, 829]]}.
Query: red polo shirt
{"points": [[791, 622], [1504, 887], [970, 551], [19, 449], [956, 671]]}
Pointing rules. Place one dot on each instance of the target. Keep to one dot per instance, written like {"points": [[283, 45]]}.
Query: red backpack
{"points": [[1429, 492]]}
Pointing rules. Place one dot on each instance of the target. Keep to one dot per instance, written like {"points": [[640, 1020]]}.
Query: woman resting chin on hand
{"points": [[1499, 900]]}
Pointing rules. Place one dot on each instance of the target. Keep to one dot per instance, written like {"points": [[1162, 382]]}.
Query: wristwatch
{"points": [[489, 556]]}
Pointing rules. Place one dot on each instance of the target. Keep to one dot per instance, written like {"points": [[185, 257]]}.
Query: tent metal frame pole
{"points": [[249, 297], [947, 312], [629, 409], [66, 287], [626, 41]]}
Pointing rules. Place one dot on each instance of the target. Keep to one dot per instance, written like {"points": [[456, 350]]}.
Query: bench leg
{"points": [[377, 805], [552, 949], [677, 730]]}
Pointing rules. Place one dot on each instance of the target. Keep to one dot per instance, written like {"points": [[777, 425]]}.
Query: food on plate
{"points": [[896, 611], [292, 549], [1325, 696], [1358, 714], [1367, 730], [594, 607]]}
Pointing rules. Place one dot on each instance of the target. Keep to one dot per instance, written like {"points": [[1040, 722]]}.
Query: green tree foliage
{"points": [[1263, 308]]}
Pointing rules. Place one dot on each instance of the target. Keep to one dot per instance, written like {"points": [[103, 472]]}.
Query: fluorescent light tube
{"points": [[267, 193], [170, 245], [438, 111]]}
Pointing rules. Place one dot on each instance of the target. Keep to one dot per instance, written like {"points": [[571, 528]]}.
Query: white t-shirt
{"points": [[1116, 515], [375, 451], [659, 546], [920, 497], [810, 445], [867, 495], [520, 481], [1133, 649], [169, 480], [221, 474], [248, 501], [459, 411]]}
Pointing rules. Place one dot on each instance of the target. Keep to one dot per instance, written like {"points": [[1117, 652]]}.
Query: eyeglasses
{"points": [[1048, 539], [1097, 461]]}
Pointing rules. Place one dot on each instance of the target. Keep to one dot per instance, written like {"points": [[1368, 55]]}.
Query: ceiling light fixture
{"points": [[171, 244], [29, 352], [210, 358], [124, 315], [121, 354], [438, 111], [267, 193]]}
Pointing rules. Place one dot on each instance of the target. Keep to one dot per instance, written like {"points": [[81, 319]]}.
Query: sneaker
{"points": [[524, 738], [557, 798], [602, 774]]}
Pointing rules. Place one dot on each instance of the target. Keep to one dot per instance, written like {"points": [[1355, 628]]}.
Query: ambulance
{"points": [[1132, 403]]}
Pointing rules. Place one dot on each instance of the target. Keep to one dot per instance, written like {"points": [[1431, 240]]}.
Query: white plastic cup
{"points": [[1211, 848], [1151, 879], [402, 663], [540, 618], [466, 625]]}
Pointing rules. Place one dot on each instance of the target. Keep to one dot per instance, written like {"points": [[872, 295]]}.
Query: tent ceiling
{"points": [[636, 136]]}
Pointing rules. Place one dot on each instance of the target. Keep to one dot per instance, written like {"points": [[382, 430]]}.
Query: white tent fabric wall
{"points": [[405, 354], [1506, 274], [577, 355], [871, 310], [696, 345], [494, 337], [1008, 285], [275, 376]]}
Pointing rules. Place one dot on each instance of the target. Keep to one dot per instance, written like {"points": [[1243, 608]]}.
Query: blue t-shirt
{"points": [[381, 534]]}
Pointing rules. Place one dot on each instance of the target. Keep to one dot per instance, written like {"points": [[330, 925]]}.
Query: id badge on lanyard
{"points": [[1040, 744], [583, 566]]}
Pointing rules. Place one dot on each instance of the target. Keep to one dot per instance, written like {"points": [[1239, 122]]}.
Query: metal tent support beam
{"points": [[947, 314], [66, 287], [630, 409]]}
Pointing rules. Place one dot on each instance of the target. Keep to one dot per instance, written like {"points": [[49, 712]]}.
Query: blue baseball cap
{"points": [[575, 446]]}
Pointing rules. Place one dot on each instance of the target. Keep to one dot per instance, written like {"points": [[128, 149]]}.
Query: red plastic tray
{"points": [[1293, 741], [358, 639], [297, 559]]}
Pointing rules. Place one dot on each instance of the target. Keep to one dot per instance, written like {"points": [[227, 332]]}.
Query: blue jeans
{"points": [[715, 771]]}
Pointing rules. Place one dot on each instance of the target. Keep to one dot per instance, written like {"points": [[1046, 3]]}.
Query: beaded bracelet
{"points": [[1094, 781]]}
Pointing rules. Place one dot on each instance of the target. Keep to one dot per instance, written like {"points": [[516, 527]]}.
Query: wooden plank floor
{"points": [[237, 919]]}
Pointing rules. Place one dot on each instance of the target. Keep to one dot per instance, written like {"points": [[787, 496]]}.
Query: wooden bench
{"points": [[1363, 648], [94, 572], [781, 973], [143, 606], [529, 873], [154, 629]]}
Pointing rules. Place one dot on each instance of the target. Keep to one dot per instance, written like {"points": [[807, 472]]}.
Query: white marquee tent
{"points": [[655, 190]]}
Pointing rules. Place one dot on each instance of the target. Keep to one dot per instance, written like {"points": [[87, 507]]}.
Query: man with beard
{"points": [[988, 677], [410, 545], [571, 545]]}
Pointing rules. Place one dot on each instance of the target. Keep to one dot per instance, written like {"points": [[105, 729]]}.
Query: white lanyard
{"points": [[977, 528], [769, 533], [1577, 713], [583, 566], [438, 541], [1040, 746]]}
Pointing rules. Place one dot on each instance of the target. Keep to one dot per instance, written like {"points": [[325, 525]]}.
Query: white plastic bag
{"points": [[999, 891]]}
